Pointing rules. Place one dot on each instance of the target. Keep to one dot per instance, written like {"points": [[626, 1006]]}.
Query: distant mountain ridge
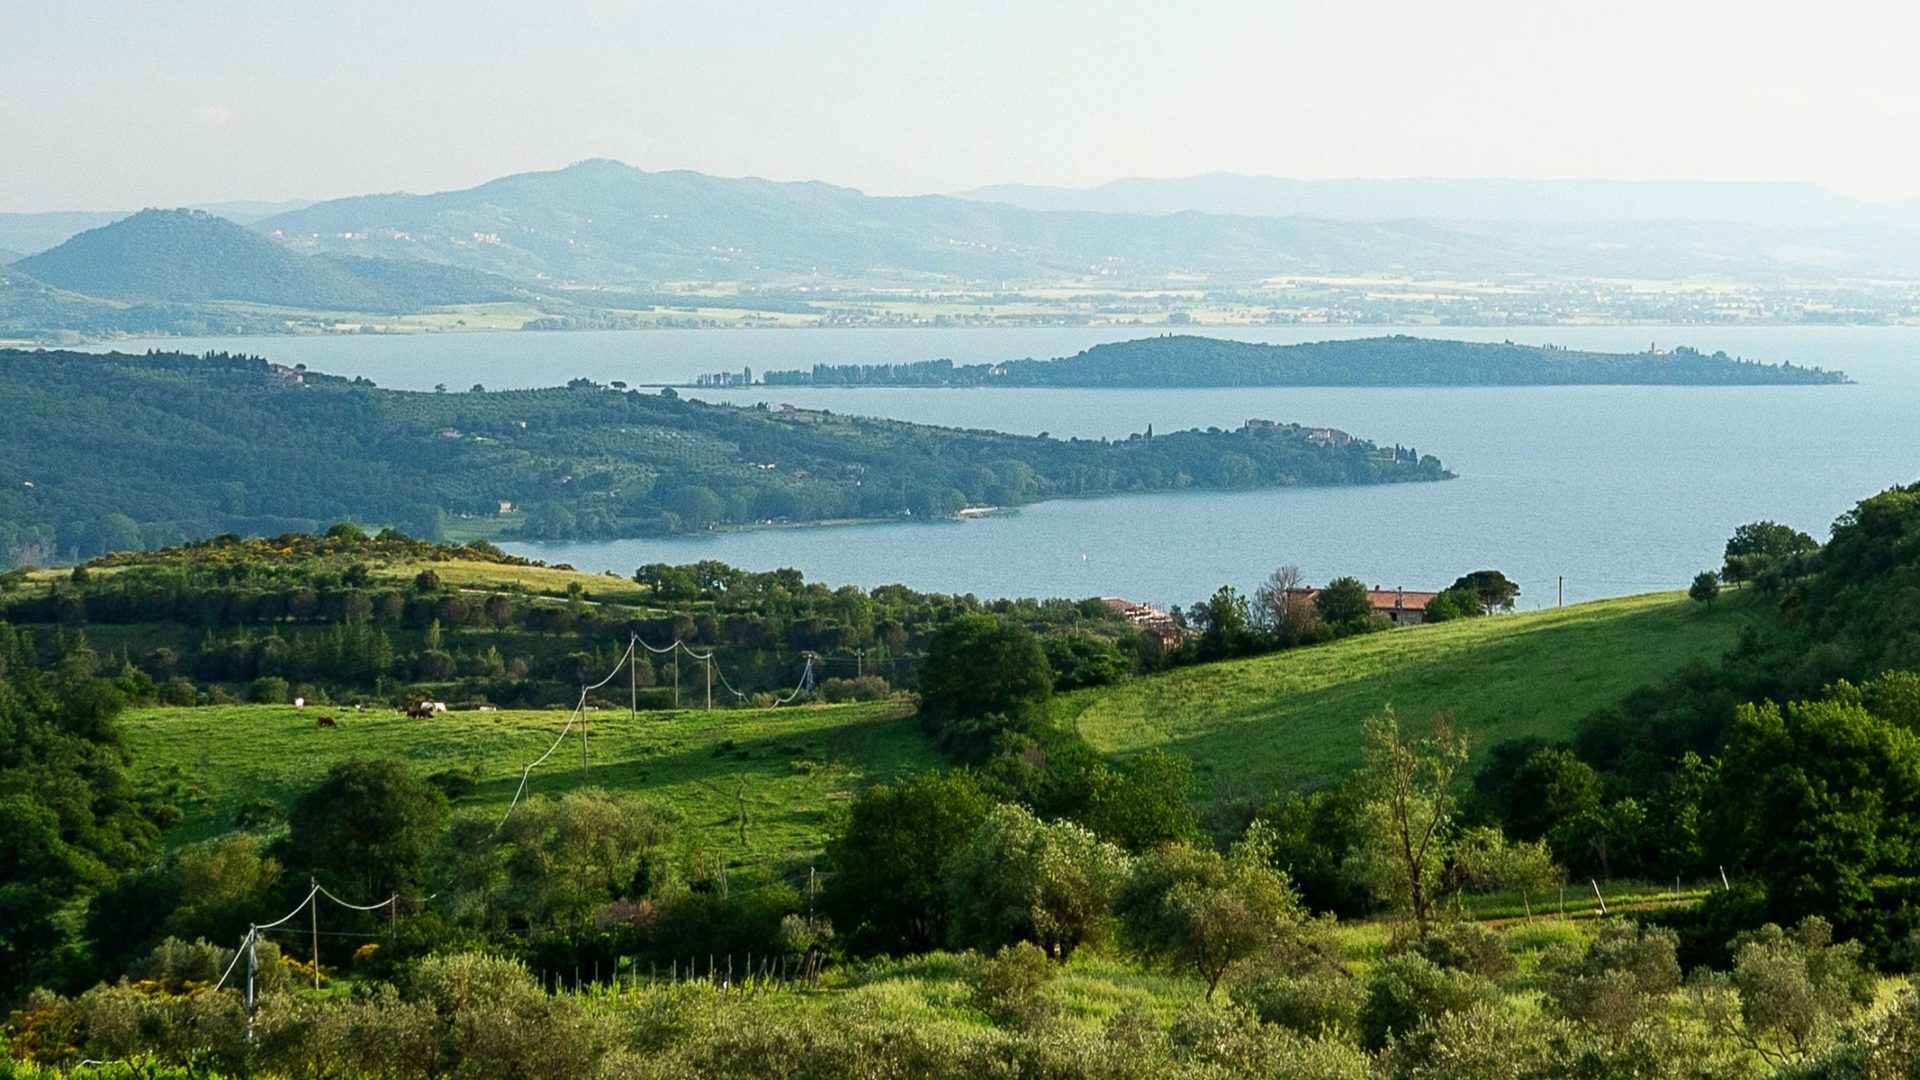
{"points": [[1788, 204], [603, 244], [603, 221], [193, 257], [600, 223]]}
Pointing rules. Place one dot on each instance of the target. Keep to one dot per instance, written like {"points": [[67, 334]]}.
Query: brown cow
{"points": [[324, 721]]}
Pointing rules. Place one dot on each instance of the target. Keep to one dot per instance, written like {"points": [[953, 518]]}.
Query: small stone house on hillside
{"points": [[1401, 606], [1156, 624]]}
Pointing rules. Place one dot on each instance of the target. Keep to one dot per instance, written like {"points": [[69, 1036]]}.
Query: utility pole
{"points": [[709, 680], [1563, 591], [676, 671], [859, 662], [633, 676], [313, 910]]}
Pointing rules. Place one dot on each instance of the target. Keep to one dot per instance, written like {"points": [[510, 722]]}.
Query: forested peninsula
{"points": [[1186, 360], [118, 451]]}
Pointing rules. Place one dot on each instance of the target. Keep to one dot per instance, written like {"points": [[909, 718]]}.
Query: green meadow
{"points": [[757, 783], [760, 783], [1292, 719]]}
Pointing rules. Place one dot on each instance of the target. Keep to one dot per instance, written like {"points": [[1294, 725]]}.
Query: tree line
{"points": [[1181, 360], [352, 617]]}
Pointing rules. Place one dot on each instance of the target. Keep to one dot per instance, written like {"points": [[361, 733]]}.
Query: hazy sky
{"points": [[108, 105]]}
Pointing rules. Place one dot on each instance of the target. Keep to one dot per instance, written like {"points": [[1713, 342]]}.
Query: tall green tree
{"points": [[1495, 591], [1344, 603], [366, 827], [1760, 546], [1147, 801], [1226, 624], [69, 817], [1820, 802], [888, 858], [982, 674], [1705, 588]]}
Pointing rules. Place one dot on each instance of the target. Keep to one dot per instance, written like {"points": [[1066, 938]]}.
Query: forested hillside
{"points": [[191, 257], [115, 452], [1188, 360]]}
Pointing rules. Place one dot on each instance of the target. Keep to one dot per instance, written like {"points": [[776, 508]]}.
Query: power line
{"points": [[579, 711]]}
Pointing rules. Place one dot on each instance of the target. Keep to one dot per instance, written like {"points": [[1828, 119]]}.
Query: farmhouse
{"points": [[1152, 622], [1400, 606]]}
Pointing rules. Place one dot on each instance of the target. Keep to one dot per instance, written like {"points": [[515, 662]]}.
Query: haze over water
{"points": [[1620, 489]]}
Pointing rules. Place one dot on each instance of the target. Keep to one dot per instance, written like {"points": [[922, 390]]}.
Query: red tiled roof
{"points": [[1384, 599]]}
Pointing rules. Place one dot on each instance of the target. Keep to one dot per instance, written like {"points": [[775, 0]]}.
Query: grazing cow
{"points": [[420, 711], [324, 721]]}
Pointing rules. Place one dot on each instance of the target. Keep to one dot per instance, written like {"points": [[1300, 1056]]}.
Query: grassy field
{"points": [[603, 588], [1293, 719], [545, 580], [1251, 727], [786, 767]]}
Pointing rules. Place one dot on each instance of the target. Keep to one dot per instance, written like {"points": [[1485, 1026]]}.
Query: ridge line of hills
{"points": [[1770, 203], [572, 245]]}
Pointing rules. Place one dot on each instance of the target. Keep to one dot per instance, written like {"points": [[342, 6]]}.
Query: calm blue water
{"points": [[1619, 489]]}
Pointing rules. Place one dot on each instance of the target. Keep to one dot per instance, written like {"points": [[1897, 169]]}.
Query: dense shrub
{"points": [[1463, 945], [1407, 989], [1008, 986], [1317, 1005], [1617, 982], [859, 688]]}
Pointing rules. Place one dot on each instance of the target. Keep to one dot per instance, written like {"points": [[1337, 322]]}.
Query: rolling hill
{"points": [[1292, 719], [1261, 725], [29, 306], [192, 257], [114, 451], [27, 233]]}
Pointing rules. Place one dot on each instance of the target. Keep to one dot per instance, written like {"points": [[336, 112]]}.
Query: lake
{"points": [[1615, 489]]}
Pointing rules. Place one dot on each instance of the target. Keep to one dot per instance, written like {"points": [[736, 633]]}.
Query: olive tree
{"points": [[1023, 879], [1789, 992], [1190, 907], [1407, 821]]}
